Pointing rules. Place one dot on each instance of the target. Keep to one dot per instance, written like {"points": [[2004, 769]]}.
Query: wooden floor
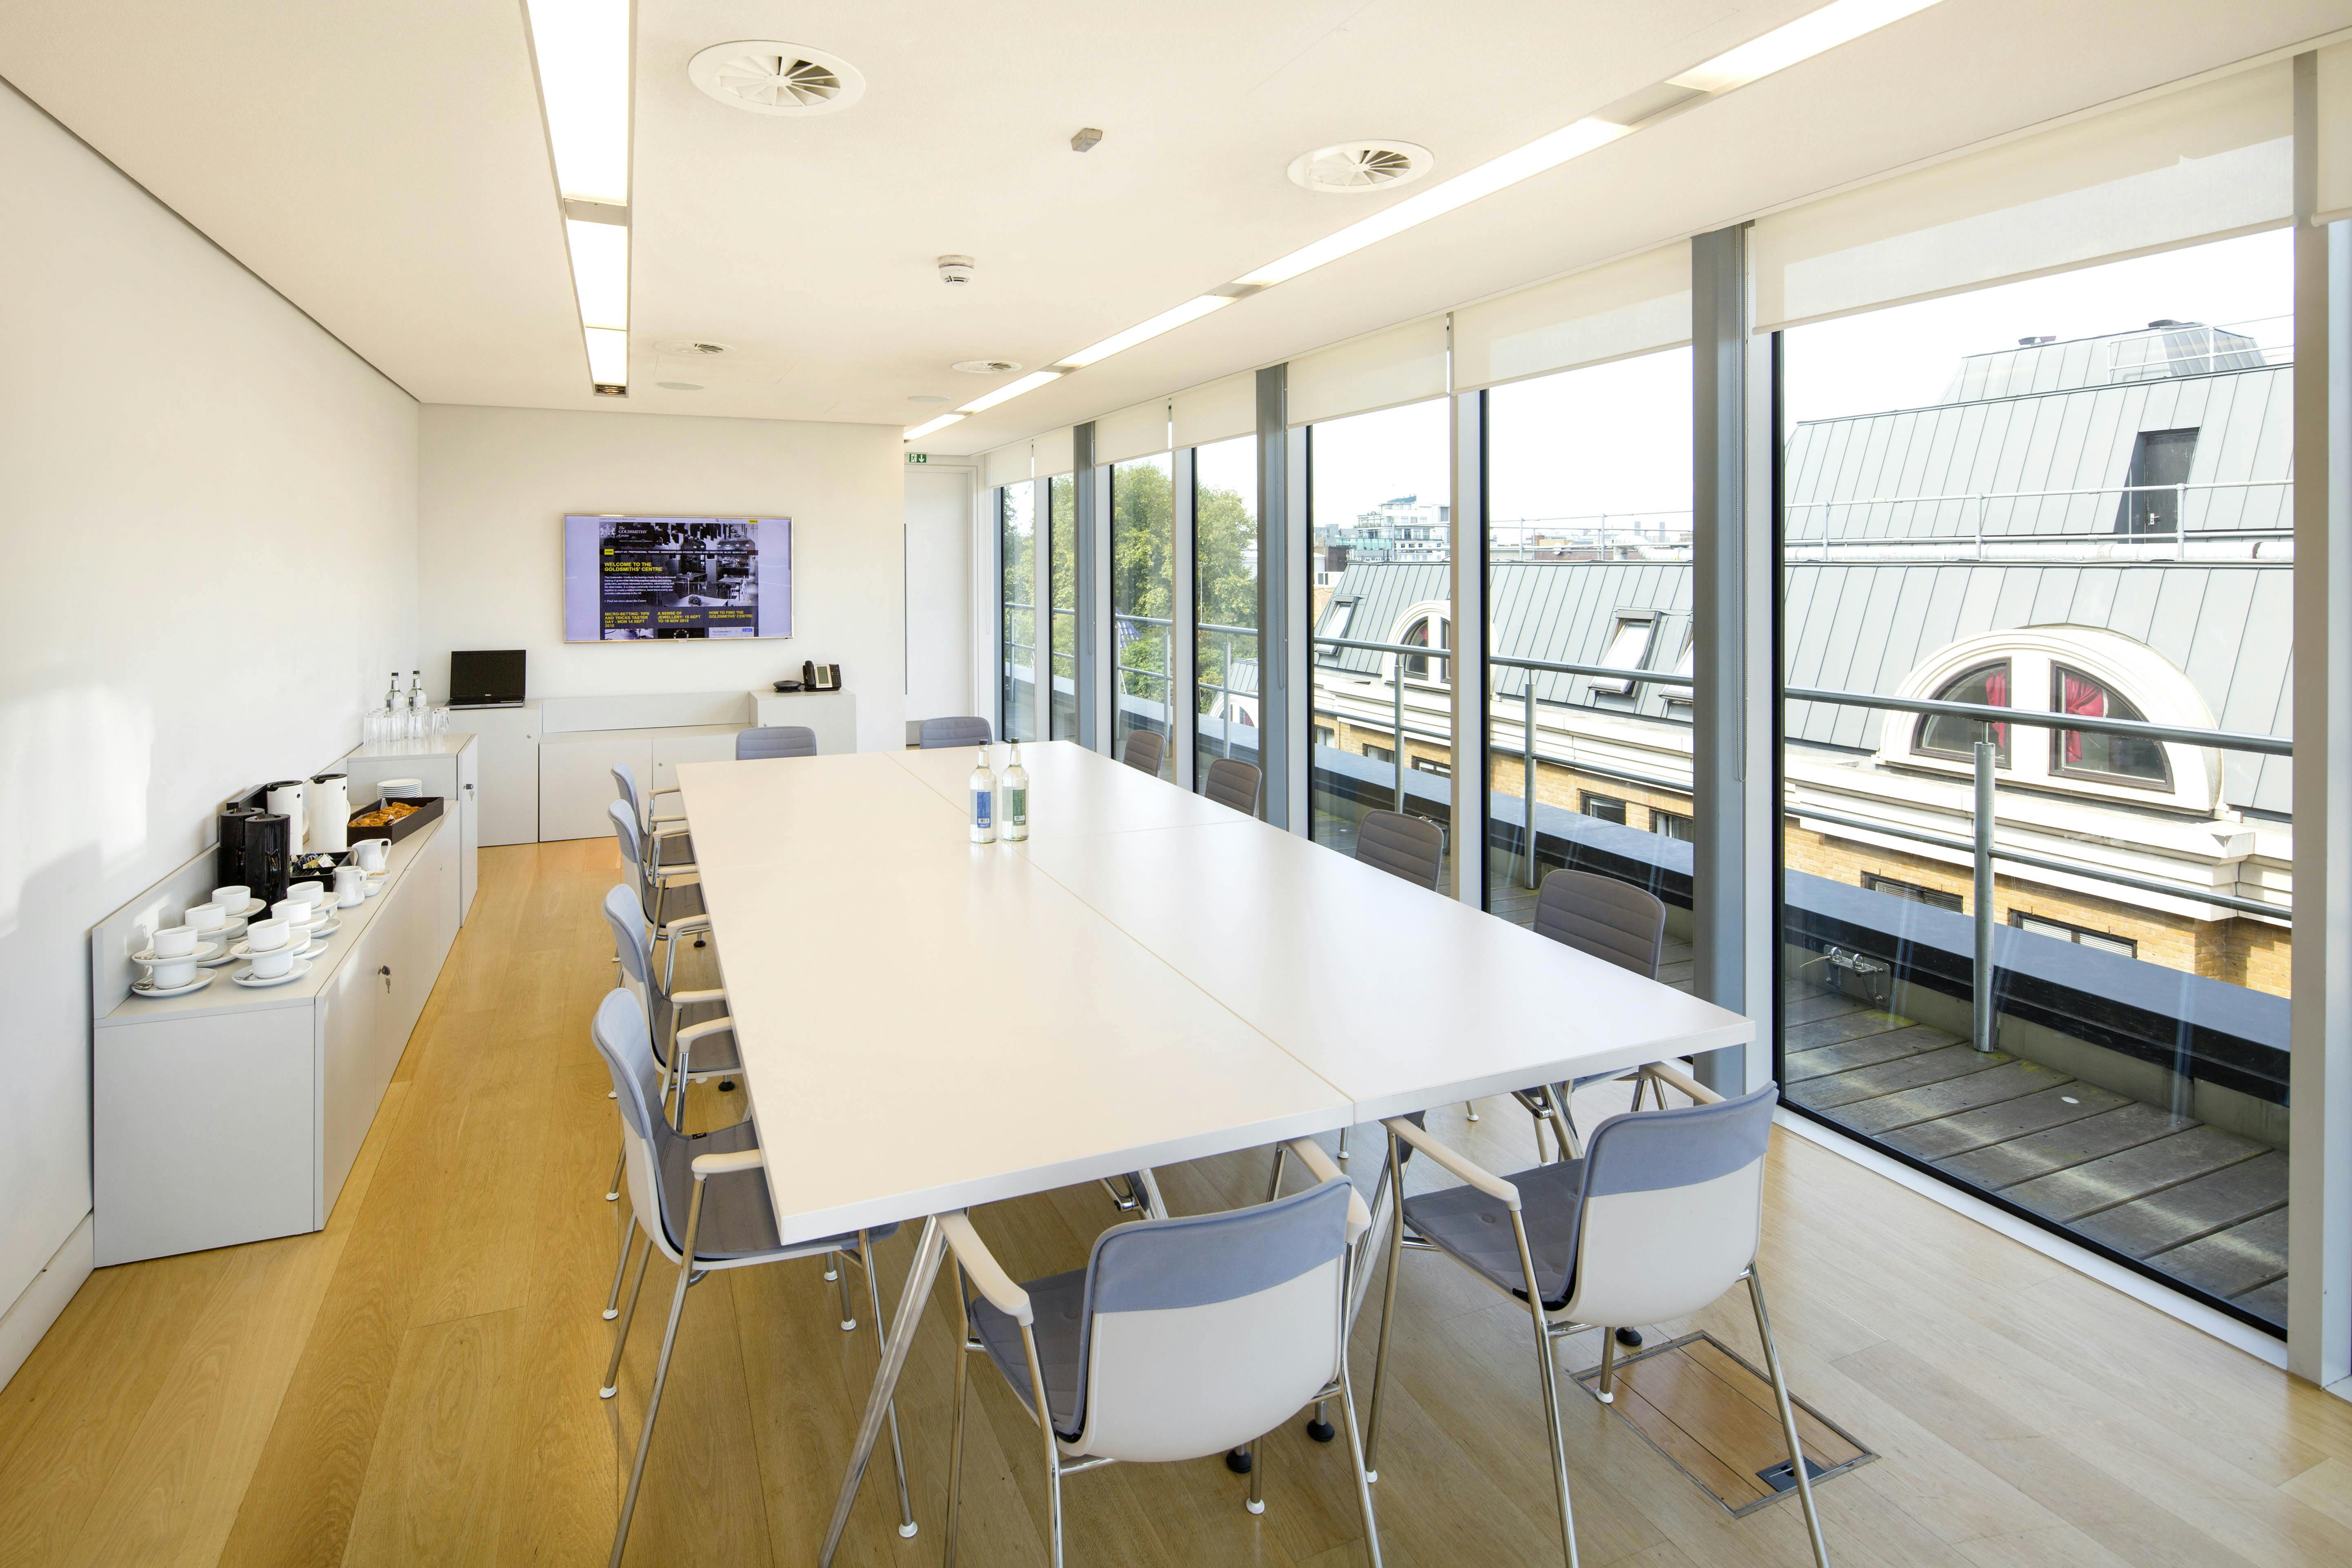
{"points": [[416, 1383], [2206, 1206]]}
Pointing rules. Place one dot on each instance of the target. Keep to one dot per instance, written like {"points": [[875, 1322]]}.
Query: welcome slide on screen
{"points": [[645, 579]]}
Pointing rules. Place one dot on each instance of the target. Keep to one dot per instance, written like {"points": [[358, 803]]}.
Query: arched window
{"points": [[1946, 735], [2126, 759], [1419, 634]]}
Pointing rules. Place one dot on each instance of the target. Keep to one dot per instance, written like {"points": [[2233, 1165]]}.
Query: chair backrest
{"points": [[1407, 847], [1203, 1332], [630, 943], [1144, 750], [1673, 1207], [624, 785], [774, 741], [1232, 783], [1604, 916], [938, 733], [646, 1136], [633, 854]]}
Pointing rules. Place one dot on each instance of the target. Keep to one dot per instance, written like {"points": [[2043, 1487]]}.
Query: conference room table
{"points": [[926, 1024]]}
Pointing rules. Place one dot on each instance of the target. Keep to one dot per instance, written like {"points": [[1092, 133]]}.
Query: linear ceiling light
{"points": [[582, 50], [1166, 322], [1030, 383], [1815, 33], [925, 428]]}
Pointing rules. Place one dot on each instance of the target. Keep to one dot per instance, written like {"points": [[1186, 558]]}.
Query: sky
{"points": [[1616, 438]]}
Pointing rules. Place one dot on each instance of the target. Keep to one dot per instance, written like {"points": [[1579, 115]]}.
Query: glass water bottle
{"points": [[983, 801], [1013, 804]]}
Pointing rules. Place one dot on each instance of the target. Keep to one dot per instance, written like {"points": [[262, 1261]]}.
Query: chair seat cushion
{"points": [[1058, 1304], [1475, 1229], [738, 1220], [712, 1053], [677, 851]]}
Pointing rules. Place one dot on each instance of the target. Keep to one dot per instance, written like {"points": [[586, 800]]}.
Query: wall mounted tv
{"points": [[648, 579]]}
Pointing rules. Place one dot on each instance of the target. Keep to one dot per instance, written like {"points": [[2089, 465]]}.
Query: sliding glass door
{"points": [[1016, 705], [1224, 600], [1143, 585]]}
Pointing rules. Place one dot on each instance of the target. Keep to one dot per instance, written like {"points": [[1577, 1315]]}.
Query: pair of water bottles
{"points": [[999, 803]]}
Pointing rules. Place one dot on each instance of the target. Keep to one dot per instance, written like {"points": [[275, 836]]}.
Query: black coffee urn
{"points": [[228, 857], [267, 856]]}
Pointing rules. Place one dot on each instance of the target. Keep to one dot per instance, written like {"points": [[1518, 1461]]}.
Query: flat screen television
{"points": [[648, 579]]}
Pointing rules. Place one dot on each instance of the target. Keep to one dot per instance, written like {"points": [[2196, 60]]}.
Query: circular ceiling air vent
{"points": [[986, 366], [768, 76], [1360, 168]]}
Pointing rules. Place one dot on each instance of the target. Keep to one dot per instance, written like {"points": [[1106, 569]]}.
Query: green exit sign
{"points": [[919, 457]]}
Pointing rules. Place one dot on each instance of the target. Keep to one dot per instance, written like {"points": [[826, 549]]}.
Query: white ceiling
{"points": [[384, 166]]}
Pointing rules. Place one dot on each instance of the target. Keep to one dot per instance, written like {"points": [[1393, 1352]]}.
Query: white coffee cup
{"points": [[261, 936], [168, 973], [175, 942], [294, 912], [314, 891], [371, 854], [351, 886], [206, 918], [272, 964], [233, 899]]}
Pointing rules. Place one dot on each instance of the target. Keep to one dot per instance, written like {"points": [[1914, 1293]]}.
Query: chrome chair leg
{"points": [[1550, 1377], [661, 1371], [1388, 1316], [620, 1165], [1472, 1107], [1356, 1455], [1256, 1503], [881, 1349], [621, 1336], [1053, 1450], [1607, 1386], [848, 1313], [832, 1266], [955, 1421], [1788, 1421], [620, 1267], [1343, 1144], [1274, 1187]]}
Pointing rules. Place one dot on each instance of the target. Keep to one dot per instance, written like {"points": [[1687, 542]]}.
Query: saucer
{"points": [[205, 951], [141, 988], [245, 950], [217, 959], [245, 976], [325, 928]]}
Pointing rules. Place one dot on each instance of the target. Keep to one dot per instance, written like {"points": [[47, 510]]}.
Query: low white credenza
{"points": [[231, 1115]]}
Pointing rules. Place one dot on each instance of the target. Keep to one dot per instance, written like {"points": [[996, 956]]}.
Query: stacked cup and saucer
{"points": [[323, 920], [270, 949], [172, 959], [237, 905]]}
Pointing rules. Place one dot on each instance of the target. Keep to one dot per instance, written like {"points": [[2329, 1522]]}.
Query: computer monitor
{"points": [[486, 680]]}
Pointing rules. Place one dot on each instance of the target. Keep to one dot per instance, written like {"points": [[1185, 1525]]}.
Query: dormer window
{"points": [[2126, 759], [1946, 735], [1629, 648], [1425, 626]]}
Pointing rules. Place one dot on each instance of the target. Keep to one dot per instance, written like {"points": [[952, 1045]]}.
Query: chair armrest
{"points": [[1667, 1073], [726, 1164], [683, 868], [1309, 1154], [660, 832], [694, 998], [689, 923], [984, 1270], [1485, 1181], [693, 1032]]}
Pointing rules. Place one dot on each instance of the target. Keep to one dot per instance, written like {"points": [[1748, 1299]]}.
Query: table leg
{"points": [[930, 1247]]}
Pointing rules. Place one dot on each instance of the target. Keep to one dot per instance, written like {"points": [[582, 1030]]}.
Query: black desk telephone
{"points": [[820, 678]]}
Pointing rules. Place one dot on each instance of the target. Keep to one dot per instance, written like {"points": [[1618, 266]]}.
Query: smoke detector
{"points": [[1361, 168], [956, 269], [703, 346], [766, 76], [986, 366]]}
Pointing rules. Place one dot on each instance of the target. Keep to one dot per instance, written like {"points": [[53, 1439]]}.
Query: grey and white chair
{"points": [[669, 893], [938, 733], [1144, 750], [1660, 1217], [682, 1024], [1179, 1338], [764, 740], [1413, 848], [1233, 785], [665, 838], [702, 1202], [1614, 921]]}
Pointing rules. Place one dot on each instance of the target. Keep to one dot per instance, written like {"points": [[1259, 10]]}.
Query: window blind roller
{"points": [[1627, 307], [1056, 451], [1404, 364], [2335, 133], [2195, 163], [1005, 466], [1132, 432], [1217, 412]]}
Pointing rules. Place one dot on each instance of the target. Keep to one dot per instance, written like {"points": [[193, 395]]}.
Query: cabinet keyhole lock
{"points": [[386, 973]]}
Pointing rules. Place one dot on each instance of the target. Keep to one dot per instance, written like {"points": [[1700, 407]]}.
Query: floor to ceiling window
{"points": [[1224, 598], [1016, 704], [2067, 500], [1062, 573], [1589, 562], [1143, 590], [1381, 542]]}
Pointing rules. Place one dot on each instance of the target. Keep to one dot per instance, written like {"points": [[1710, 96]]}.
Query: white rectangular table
{"points": [[1151, 979]]}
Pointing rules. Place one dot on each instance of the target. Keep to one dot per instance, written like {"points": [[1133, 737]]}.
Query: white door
{"points": [[938, 592]]}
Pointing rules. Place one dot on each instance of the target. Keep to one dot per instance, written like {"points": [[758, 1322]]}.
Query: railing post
{"points": [[1399, 736], [1983, 1012], [1528, 790], [2180, 522]]}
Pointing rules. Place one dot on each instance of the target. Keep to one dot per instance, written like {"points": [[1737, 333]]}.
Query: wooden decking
{"points": [[2205, 1206]]}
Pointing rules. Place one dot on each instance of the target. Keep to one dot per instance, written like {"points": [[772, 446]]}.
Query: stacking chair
{"points": [[938, 733], [1232, 783], [1661, 1216], [774, 741], [1179, 1338], [1144, 750], [670, 911], [666, 839], [702, 1202], [1611, 920], [672, 1039]]}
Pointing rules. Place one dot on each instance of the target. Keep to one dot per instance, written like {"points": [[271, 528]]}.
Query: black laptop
{"points": [[491, 680]]}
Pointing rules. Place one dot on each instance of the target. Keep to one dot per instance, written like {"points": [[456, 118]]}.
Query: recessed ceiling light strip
{"points": [[583, 49], [1839, 22]]}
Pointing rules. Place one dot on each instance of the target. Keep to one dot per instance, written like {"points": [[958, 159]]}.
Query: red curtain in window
{"points": [[1997, 696], [2083, 699]]}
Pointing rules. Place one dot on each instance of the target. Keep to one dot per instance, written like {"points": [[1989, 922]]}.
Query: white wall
{"points": [[495, 484], [940, 676], [207, 516]]}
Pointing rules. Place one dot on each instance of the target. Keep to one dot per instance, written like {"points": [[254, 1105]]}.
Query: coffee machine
{"points": [[256, 851]]}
